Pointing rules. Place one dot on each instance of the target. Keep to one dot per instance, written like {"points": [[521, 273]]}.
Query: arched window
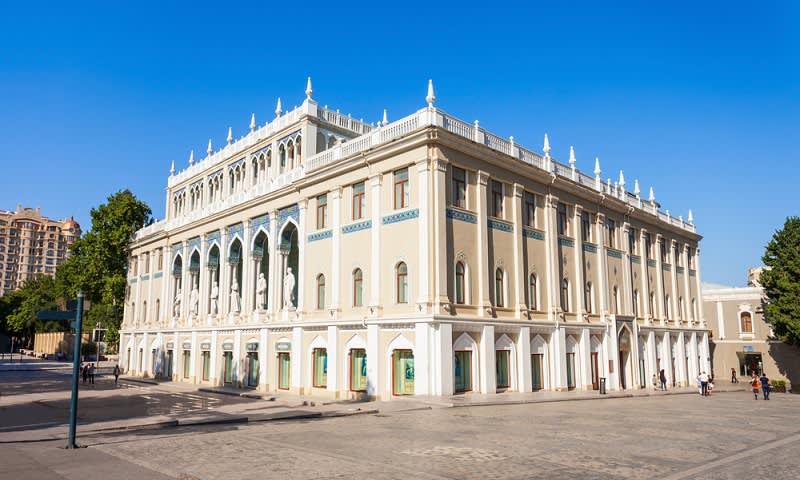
{"points": [[694, 310], [320, 291], [144, 312], [565, 306], [636, 303], [652, 305], [499, 289], [667, 309], [460, 284], [158, 310], [615, 294], [533, 292], [747, 322], [680, 308], [401, 272], [587, 298], [358, 288]]}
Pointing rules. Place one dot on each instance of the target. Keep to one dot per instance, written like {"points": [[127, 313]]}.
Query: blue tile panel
{"points": [[614, 253], [212, 237], [399, 217], [355, 227], [132, 280], [233, 230], [566, 242], [652, 263], [679, 269], [176, 248], [635, 259], [158, 275], [531, 233], [667, 267], [258, 222], [292, 211], [502, 226], [144, 277], [692, 273], [320, 235], [588, 247], [462, 216], [194, 242]]}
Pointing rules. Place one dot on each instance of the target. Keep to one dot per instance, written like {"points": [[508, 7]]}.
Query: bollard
{"points": [[602, 385]]}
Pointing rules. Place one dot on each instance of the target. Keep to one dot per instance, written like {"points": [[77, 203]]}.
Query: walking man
{"points": [[116, 374], [703, 384], [91, 373], [733, 376], [663, 377], [764, 385]]}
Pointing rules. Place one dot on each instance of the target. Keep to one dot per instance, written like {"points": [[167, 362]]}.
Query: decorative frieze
{"points": [[355, 227], [533, 233], [614, 253], [320, 235], [652, 263], [461, 216], [258, 222], [590, 248], [292, 211], [400, 217], [635, 259], [566, 242]]}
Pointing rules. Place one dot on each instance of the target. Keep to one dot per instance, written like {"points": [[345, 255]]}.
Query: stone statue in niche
{"points": [[194, 300], [261, 291], [236, 303], [176, 305], [214, 298], [288, 289]]}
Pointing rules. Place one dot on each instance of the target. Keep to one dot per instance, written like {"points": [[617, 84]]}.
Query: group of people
{"points": [[760, 383], [88, 372], [705, 384], [660, 380]]}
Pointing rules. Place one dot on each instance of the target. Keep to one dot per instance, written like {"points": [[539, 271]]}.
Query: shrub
{"points": [[778, 383]]}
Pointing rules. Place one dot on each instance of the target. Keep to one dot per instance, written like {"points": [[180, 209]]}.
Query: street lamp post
{"points": [[76, 365]]}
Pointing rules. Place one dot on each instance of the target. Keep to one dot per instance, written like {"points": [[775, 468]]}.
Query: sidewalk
{"points": [[276, 407]]}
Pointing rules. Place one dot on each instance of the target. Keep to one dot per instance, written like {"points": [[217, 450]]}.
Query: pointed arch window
{"points": [[401, 272], [358, 288], [533, 292], [460, 284], [588, 302], [499, 288], [615, 299], [320, 292], [565, 306]]}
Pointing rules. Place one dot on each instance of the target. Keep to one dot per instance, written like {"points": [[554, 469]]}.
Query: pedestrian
{"points": [[703, 377], [699, 384], [764, 385], [755, 383], [733, 376], [116, 374], [91, 373], [710, 385], [655, 382], [85, 372], [662, 375]]}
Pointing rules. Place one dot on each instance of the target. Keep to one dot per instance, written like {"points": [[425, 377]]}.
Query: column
{"points": [[150, 306], [224, 276], [585, 347], [602, 265], [439, 219], [644, 297], [333, 360], [627, 268], [263, 360], [214, 377], [336, 219], [580, 283], [519, 280], [558, 360], [247, 288], [373, 361], [237, 359], [699, 290], [692, 354], [423, 296], [185, 287], [482, 272], [274, 274], [123, 352], [375, 248], [683, 378], [146, 357], [612, 355], [137, 310], [674, 282], [193, 358], [443, 359], [666, 357], [524, 360], [687, 294], [720, 320], [301, 263], [652, 355], [133, 367], [297, 361], [486, 360], [202, 310], [555, 313], [422, 357], [660, 293]]}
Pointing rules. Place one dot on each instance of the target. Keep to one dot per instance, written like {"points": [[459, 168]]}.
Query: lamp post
{"points": [[76, 365]]}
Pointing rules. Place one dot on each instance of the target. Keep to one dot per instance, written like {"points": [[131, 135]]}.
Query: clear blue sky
{"points": [[700, 101]]}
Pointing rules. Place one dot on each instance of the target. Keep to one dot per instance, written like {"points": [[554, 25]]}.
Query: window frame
{"points": [[322, 211], [562, 219], [459, 187], [401, 283], [499, 288], [359, 200], [497, 198], [358, 288], [460, 284], [402, 189], [530, 209], [320, 291]]}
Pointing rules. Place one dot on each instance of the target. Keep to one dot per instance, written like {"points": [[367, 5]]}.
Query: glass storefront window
{"points": [[206, 366], [571, 371], [462, 370], [187, 363], [501, 368], [252, 369], [358, 370], [284, 370], [320, 366], [227, 358], [403, 372], [536, 371]]}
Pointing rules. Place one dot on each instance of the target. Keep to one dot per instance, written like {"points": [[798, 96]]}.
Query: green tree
{"points": [[36, 294], [98, 260], [782, 281]]}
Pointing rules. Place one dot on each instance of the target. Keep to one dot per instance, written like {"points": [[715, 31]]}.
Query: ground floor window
{"points": [[402, 372], [206, 366], [358, 370], [187, 363], [284, 370], [571, 371], [251, 366], [140, 360], [128, 363], [227, 358], [537, 372], [501, 367], [463, 371], [168, 366], [595, 374], [749, 363], [319, 361], [154, 363]]}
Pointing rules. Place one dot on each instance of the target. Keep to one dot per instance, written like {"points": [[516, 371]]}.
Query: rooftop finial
{"points": [[385, 117], [278, 109], [191, 157], [546, 148], [253, 122], [230, 135], [172, 168], [597, 170], [430, 98], [309, 90], [210, 148], [621, 180], [572, 159], [636, 190], [652, 197], [691, 217]]}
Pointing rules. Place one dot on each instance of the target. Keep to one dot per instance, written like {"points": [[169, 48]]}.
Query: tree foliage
{"points": [[35, 295], [781, 281]]}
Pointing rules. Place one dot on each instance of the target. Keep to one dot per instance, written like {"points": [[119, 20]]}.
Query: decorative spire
{"points": [[253, 122], [191, 157], [309, 90], [278, 109], [597, 170], [652, 197], [385, 120], [230, 135], [172, 168], [691, 217], [609, 185], [622, 180], [572, 159], [636, 190], [430, 98], [210, 148], [546, 147]]}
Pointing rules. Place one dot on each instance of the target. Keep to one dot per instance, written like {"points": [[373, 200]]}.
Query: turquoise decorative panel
{"points": [[355, 227], [462, 216], [400, 217]]}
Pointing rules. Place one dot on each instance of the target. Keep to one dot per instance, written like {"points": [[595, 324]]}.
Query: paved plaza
{"points": [[728, 435]]}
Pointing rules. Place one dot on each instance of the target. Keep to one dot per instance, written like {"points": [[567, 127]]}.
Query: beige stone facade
{"points": [[32, 245], [427, 255]]}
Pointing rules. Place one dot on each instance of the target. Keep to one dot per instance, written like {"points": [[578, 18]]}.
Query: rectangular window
{"points": [[284, 370], [690, 255], [677, 255], [611, 232], [402, 372], [501, 368], [206, 366], [146, 263], [633, 245], [187, 362], [401, 189], [662, 245], [571, 371], [537, 374], [497, 199], [459, 187], [227, 359], [359, 201], [648, 245], [319, 360], [462, 370], [358, 370], [562, 219], [586, 227], [530, 209], [322, 211]]}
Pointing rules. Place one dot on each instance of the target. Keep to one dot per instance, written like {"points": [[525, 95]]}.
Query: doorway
{"points": [[462, 366], [284, 370]]}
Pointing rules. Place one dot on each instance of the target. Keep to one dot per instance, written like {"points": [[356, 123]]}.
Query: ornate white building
{"points": [[325, 256]]}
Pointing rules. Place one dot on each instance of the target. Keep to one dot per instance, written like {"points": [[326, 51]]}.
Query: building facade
{"points": [[742, 338], [32, 245], [328, 257]]}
